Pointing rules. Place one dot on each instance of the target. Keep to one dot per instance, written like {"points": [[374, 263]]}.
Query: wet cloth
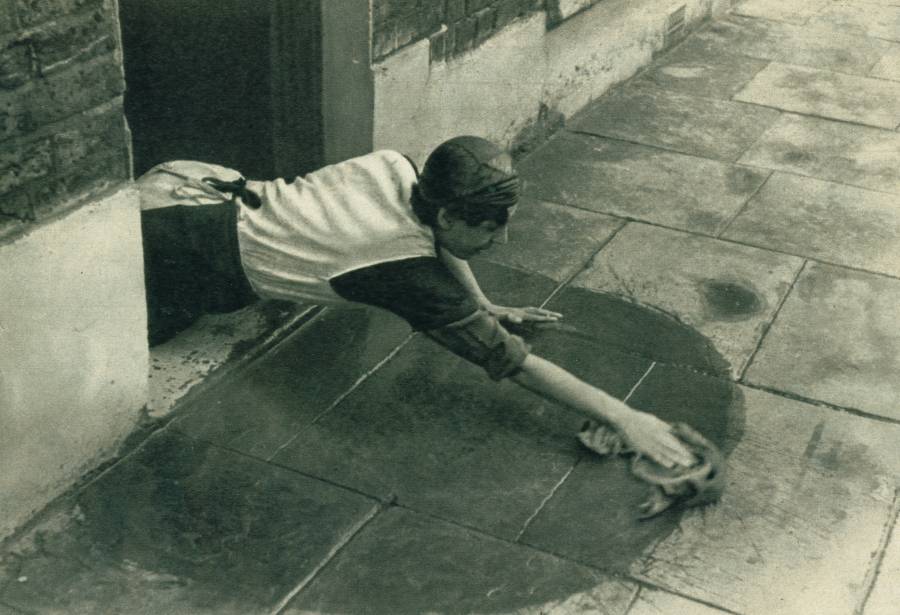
{"points": [[702, 483]]}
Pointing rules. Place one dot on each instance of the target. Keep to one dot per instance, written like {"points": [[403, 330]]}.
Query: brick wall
{"points": [[397, 23], [62, 128]]}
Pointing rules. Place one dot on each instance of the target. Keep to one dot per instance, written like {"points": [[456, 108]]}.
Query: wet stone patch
{"points": [[731, 300], [446, 442], [184, 526]]}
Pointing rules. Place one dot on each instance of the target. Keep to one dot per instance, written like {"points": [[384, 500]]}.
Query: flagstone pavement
{"points": [[722, 234]]}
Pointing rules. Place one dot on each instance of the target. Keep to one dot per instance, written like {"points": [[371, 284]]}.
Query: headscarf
{"points": [[469, 170]]}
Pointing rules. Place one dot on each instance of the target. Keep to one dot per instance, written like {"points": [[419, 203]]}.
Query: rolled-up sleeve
{"points": [[481, 339], [424, 292]]}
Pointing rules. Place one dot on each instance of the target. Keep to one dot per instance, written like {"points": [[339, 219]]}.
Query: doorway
{"points": [[232, 82]]}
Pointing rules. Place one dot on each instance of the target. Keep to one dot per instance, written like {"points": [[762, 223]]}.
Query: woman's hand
{"points": [[653, 437], [517, 316]]}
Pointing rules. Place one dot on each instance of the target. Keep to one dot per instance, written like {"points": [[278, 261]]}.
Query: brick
{"points": [[81, 87], [33, 12], [94, 173], [88, 134], [76, 37], [24, 162], [454, 10], [485, 29]]}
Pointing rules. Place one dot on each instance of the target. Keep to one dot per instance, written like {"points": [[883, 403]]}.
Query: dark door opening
{"points": [[234, 82]]}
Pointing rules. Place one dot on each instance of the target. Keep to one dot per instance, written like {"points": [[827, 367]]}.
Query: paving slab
{"points": [[539, 228], [727, 292], [404, 563], [638, 182], [601, 493], [837, 339], [863, 100], [179, 527], [823, 46], [655, 602], [212, 345], [823, 220], [809, 494], [746, 36], [832, 48], [796, 12], [888, 67], [878, 21], [642, 113], [835, 151], [690, 70], [885, 594], [260, 408]]}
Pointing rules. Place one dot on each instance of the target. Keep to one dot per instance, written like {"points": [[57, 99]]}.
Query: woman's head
{"points": [[466, 192], [471, 178]]}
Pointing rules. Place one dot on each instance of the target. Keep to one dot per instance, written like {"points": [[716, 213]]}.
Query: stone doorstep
{"points": [[215, 345]]}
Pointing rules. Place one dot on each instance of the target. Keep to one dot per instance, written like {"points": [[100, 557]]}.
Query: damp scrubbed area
{"points": [[716, 263]]}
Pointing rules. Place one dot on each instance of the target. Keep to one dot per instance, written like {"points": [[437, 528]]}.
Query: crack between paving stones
{"points": [[588, 263], [335, 549], [346, 393], [543, 503], [745, 204], [798, 173], [737, 242], [814, 115], [639, 382], [634, 599], [658, 147], [611, 574], [643, 584], [389, 498], [822, 404], [875, 567], [768, 326]]}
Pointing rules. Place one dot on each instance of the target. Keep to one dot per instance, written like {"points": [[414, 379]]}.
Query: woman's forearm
{"points": [[556, 384], [644, 432]]}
